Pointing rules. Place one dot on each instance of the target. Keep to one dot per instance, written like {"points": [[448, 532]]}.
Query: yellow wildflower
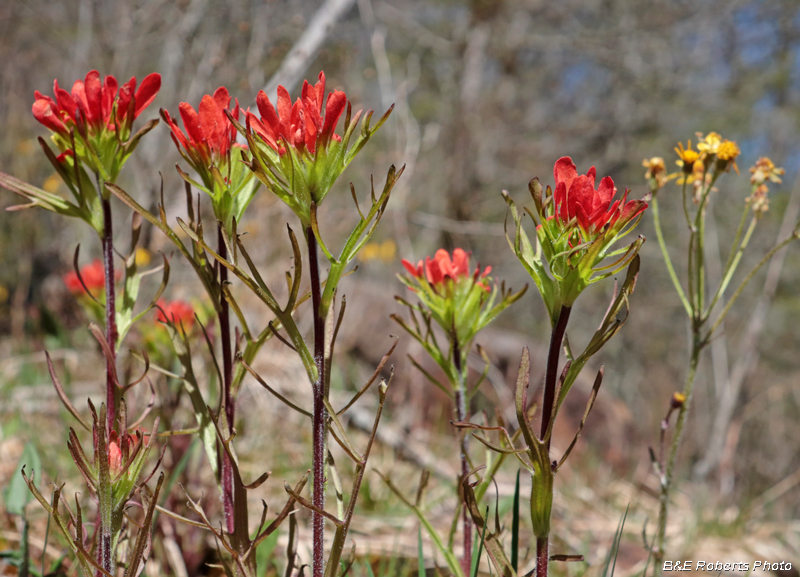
{"points": [[709, 144], [687, 156], [726, 156], [656, 172]]}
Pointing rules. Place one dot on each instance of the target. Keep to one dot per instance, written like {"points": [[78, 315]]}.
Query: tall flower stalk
{"points": [[208, 145], [461, 302], [577, 226], [91, 128], [700, 171]]}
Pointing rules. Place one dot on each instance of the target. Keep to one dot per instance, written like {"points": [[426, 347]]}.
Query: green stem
{"points": [[731, 266], [676, 283], [669, 466], [747, 279]]}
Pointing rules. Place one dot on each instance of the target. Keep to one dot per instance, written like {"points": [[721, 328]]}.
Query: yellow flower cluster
{"points": [[714, 155]]}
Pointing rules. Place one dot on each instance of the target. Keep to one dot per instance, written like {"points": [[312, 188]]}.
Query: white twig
{"points": [[297, 60]]}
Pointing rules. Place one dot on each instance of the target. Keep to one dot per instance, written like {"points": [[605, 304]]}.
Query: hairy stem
{"points": [[227, 377], [541, 556], [461, 415], [111, 315], [669, 466], [556, 339], [320, 414]]}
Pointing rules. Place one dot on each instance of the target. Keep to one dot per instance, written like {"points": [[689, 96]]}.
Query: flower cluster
{"points": [[301, 126], [94, 121], [296, 151], [577, 226], [762, 172], [95, 106], [207, 146], [93, 276], [459, 300], [177, 312]]}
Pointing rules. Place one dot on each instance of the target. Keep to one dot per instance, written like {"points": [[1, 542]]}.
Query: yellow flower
{"points": [[695, 175], [654, 166], [726, 156], [142, 257], [656, 172], [763, 170], [709, 144], [687, 156], [677, 400]]}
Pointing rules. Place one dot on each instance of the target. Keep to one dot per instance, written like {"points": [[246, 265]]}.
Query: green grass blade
{"points": [[611, 559], [476, 555]]}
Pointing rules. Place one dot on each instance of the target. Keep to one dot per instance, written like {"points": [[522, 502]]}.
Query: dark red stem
{"points": [[541, 556], [227, 376], [556, 339], [111, 315], [461, 415], [320, 414]]}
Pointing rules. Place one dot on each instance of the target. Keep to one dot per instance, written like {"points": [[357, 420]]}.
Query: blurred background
{"points": [[487, 94]]}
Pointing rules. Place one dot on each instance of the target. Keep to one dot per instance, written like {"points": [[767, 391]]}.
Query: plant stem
{"points": [[319, 414], [669, 466], [541, 556], [111, 315], [676, 283], [227, 377], [461, 415], [556, 339]]}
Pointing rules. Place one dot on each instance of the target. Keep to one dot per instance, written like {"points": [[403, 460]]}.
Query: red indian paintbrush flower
{"points": [[209, 134], [93, 101], [576, 228], [178, 312], [442, 267], [93, 276], [575, 197], [302, 125], [207, 145]]}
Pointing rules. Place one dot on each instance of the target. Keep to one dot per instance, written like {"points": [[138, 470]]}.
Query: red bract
{"points": [[114, 456], [576, 197], [93, 276], [92, 102], [302, 125], [209, 134], [179, 312], [443, 267]]}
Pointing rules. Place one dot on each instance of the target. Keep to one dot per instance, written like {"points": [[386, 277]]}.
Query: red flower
{"points": [[302, 125], [93, 275], [93, 101], [179, 312], [114, 456], [442, 267], [576, 197], [209, 133]]}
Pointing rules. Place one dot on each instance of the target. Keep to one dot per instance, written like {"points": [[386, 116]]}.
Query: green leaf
{"points": [[17, 495], [611, 559], [264, 553]]}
